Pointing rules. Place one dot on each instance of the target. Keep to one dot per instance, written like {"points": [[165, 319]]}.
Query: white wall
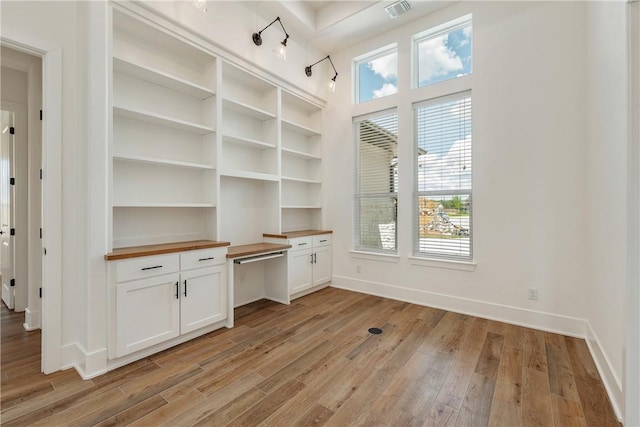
{"points": [[632, 361], [606, 180], [56, 24], [529, 168], [230, 24]]}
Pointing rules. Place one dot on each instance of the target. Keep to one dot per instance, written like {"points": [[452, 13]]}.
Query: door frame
{"points": [[51, 359]]}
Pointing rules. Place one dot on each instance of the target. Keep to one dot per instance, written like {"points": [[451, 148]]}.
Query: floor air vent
{"points": [[398, 8]]}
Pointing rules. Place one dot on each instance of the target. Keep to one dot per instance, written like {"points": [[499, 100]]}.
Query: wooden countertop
{"points": [[164, 248], [254, 249], [299, 233]]}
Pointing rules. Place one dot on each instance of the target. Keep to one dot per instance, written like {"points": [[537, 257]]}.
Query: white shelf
{"points": [[158, 161], [161, 205], [248, 142], [161, 78], [147, 116], [236, 173], [300, 154], [247, 110], [298, 128], [301, 207], [303, 180]]}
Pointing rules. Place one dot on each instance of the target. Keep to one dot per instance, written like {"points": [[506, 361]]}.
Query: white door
{"points": [[203, 298], [300, 270], [147, 312], [321, 265], [6, 207]]}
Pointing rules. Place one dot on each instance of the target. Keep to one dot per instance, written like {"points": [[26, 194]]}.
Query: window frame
{"points": [[433, 32], [431, 256], [367, 57], [358, 195]]}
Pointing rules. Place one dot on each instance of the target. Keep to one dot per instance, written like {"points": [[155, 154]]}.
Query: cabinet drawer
{"points": [[301, 243], [148, 266], [202, 258], [321, 240]]}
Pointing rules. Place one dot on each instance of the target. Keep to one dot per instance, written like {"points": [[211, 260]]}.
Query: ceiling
{"points": [[333, 25]]}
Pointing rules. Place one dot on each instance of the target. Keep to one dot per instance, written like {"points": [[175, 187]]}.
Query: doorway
{"points": [[20, 185]]}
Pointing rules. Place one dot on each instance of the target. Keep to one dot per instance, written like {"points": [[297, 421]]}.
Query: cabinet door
{"points": [[203, 298], [147, 313], [300, 270], [322, 265]]}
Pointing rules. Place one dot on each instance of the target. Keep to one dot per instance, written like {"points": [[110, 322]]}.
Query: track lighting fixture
{"points": [[332, 82], [280, 51]]}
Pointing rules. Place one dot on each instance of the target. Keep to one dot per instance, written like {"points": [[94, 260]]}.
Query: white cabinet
{"points": [[203, 298], [300, 274], [309, 261], [157, 298], [148, 313]]}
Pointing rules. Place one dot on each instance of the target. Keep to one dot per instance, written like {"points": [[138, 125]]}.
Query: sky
{"points": [[440, 58]]}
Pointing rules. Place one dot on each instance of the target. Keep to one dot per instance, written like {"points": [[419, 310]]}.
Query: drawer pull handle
{"points": [[151, 268], [322, 241], [207, 259], [301, 244]]}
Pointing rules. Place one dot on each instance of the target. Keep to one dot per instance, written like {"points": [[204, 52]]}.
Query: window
{"points": [[377, 74], [443, 178], [444, 52], [376, 182]]}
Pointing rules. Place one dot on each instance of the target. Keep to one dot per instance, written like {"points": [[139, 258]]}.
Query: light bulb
{"points": [[281, 51], [332, 85]]}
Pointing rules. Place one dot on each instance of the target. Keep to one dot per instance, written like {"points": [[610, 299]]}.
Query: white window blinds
{"points": [[376, 182], [443, 209]]}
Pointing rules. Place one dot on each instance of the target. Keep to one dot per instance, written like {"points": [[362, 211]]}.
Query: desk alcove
{"points": [[258, 271]]}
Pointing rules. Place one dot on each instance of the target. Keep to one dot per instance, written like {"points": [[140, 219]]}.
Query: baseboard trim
{"points": [[611, 382], [87, 364], [32, 320], [549, 322]]}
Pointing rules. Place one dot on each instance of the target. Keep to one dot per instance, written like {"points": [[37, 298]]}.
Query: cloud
{"points": [[451, 171], [385, 66], [436, 59], [386, 89]]}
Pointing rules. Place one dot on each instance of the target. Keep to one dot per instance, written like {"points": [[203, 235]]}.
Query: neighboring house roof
{"points": [[377, 135]]}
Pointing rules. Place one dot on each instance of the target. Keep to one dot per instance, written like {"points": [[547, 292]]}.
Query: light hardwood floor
{"points": [[314, 363]]}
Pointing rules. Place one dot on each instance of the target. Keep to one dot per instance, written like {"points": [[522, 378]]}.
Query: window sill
{"points": [[438, 263], [375, 256]]}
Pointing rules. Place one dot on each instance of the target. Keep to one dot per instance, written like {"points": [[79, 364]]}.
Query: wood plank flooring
{"points": [[314, 363]]}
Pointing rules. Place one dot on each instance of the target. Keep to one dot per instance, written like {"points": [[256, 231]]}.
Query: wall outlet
{"points": [[533, 293], [358, 269], [242, 276]]}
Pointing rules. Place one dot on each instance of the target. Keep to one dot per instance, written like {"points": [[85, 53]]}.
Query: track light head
{"points": [[307, 70]]}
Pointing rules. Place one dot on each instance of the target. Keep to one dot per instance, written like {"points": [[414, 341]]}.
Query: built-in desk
{"points": [[257, 271]]}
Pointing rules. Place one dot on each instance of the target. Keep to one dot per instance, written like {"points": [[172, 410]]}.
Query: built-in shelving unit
{"points": [[249, 163], [164, 136], [301, 201], [203, 148]]}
